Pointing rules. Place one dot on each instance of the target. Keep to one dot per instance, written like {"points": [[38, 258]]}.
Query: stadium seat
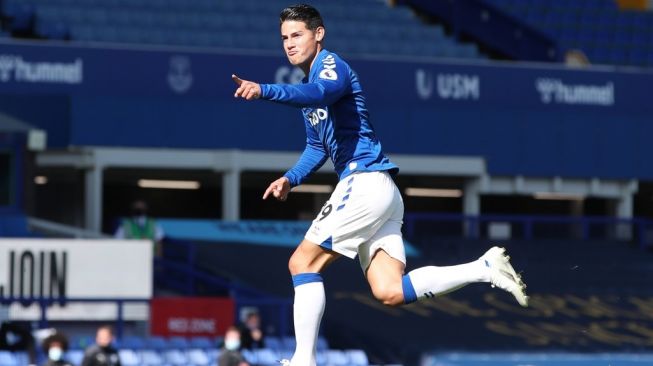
{"points": [[357, 357], [273, 343], [157, 343], [51, 30], [132, 342], [175, 357], [20, 15], [250, 356], [75, 356], [151, 358], [288, 342], [127, 358], [8, 359], [178, 343], [321, 358], [198, 357], [322, 344], [266, 356], [213, 355], [202, 343], [337, 358]]}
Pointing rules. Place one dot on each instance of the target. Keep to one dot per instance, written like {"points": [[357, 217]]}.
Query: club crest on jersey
{"points": [[328, 72]]}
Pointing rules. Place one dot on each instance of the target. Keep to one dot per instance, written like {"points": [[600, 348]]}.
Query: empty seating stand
{"points": [[604, 33], [363, 27]]}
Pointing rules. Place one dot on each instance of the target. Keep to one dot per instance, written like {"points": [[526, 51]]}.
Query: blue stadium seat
{"points": [[178, 343], [321, 358], [322, 344], [51, 30], [288, 342], [202, 342], [266, 356], [132, 342], [273, 343], [128, 357], [198, 357], [337, 358], [8, 359], [157, 343], [20, 14], [175, 357], [213, 355], [357, 357], [75, 356], [151, 358], [22, 358], [250, 356]]}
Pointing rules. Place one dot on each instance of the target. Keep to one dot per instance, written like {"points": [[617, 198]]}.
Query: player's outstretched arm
{"points": [[246, 89], [279, 189]]}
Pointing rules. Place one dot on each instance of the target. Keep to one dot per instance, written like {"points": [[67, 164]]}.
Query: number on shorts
{"points": [[325, 212]]}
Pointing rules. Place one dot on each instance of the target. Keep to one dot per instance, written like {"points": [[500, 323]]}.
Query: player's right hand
{"points": [[279, 189], [246, 89]]}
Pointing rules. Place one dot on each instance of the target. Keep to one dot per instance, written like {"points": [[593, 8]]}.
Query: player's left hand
{"points": [[246, 89]]}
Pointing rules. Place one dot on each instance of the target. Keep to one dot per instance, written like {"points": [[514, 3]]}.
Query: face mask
{"points": [[232, 344], [55, 353]]}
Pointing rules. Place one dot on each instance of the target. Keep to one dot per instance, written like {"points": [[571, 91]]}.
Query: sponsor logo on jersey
{"points": [[328, 72], [317, 115]]}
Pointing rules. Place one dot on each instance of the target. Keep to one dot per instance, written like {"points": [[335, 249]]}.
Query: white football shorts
{"points": [[363, 215]]}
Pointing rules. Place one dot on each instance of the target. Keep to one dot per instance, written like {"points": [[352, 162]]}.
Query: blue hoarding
{"points": [[534, 120]]}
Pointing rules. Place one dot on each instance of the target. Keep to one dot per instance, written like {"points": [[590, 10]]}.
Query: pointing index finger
{"points": [[236, 79]]}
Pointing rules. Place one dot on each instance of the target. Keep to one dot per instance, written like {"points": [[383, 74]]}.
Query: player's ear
{"points": [[319, 34]]}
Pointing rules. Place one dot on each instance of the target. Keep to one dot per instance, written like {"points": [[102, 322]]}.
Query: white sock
{"points": [[308, 308], [431, 281]]}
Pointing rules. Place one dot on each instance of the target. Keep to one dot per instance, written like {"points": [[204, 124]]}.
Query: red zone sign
{"points": [[191, 316]]}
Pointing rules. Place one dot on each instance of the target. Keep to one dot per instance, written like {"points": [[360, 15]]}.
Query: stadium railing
{"points": [[635, 230], [45, 302]]}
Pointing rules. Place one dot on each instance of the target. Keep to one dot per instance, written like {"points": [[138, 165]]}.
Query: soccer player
{"points": [[364, 214]]}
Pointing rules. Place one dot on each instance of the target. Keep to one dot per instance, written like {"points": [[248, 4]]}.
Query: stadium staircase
{"points": [[370, 27]]}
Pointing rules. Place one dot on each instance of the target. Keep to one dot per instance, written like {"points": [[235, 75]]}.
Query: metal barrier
{"points": [[45, 302]]}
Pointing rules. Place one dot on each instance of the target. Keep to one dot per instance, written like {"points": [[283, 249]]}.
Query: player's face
{"points": [[300, 43]]}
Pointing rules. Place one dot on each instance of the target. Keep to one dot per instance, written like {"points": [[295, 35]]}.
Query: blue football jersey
{"points": [[336, 120]]}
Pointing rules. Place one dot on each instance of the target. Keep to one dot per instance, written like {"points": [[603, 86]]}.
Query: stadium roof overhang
{"points": [[228, 160], [94, 160]]}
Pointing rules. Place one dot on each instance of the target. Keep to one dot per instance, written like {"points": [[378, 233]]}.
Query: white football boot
{"points": [[503, 276]]}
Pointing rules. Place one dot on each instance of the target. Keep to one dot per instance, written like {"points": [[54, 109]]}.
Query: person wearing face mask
{"points": [[55, 347], [230, 352], [140, 226], [102, 353]]}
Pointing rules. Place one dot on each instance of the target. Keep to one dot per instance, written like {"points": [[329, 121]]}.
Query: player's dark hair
{"points": [[302, 13]]}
